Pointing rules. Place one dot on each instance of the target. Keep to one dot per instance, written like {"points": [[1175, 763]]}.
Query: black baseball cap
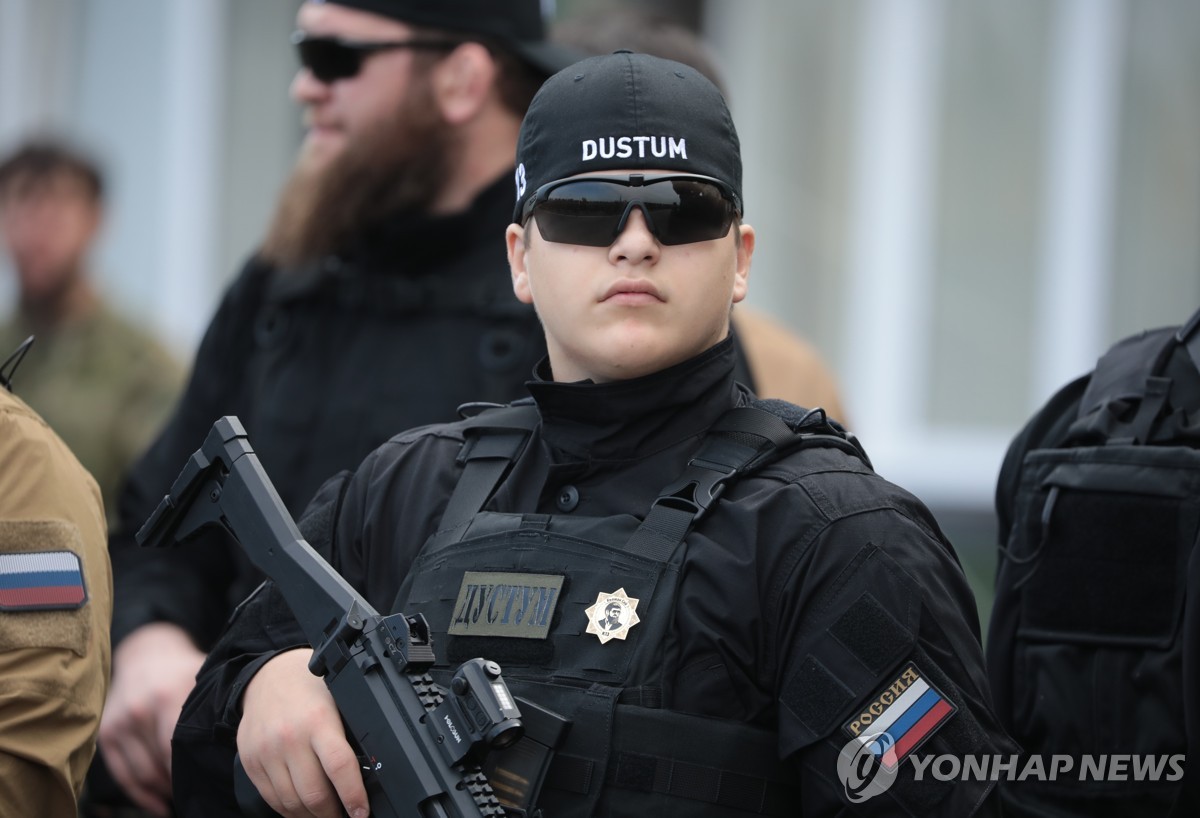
{"points": [[517, 25], [627, 111]]}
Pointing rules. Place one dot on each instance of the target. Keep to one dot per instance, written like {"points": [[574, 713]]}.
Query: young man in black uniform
{"points": [[757, 641]]}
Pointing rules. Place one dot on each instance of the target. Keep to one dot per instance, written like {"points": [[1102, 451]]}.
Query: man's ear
{"points": [[745, 250], [463, 81], [517, 263]]}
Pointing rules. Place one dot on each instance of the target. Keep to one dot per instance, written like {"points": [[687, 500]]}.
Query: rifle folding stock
{"points": [[420, 745]]}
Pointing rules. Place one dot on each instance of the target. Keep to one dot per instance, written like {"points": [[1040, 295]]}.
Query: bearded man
{"points": [[379, 300]]}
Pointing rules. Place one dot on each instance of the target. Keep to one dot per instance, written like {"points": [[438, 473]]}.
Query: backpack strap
{"points": [[1138, 372], [494, 438], [742, 440], [1186, 391], [1189, 336]]}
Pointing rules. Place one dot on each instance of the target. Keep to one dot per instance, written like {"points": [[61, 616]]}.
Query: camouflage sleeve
{"points": [[153, 383]]}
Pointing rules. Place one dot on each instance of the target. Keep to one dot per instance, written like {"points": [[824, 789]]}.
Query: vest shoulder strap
{"points": [[1134, 381], [742, 440], [494, 438]]}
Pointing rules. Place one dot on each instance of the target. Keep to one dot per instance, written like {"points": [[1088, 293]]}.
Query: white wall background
{"points": [[964, 202], [960, 201]]}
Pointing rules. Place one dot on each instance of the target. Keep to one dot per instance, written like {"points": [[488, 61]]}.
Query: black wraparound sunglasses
{"points": [[332, 58], [680, 208]]}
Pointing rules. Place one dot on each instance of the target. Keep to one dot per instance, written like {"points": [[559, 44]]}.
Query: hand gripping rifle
{"points": [[420, 746]]}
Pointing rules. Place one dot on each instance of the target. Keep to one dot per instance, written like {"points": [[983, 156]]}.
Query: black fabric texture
{"points": [[1110, 566], [867, 629], [798, 417], [515, 652], [816, 696], [635, 771]]}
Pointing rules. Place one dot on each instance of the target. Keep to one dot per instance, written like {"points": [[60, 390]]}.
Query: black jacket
{"points": [[809, 590], [322, 365]]}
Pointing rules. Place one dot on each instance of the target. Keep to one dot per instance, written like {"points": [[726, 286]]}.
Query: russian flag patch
{"points": [[900, 717], [47, 580]]}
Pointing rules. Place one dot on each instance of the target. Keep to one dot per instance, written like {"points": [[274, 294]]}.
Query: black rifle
{"points": [[420, 745]]}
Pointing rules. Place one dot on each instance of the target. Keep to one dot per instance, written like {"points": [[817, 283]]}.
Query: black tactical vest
{"points": [[579, 613]]}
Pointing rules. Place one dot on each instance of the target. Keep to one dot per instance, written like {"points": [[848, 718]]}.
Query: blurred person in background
{"points": [[378, 301], [781, 364], [101, 383], [55, 608]]}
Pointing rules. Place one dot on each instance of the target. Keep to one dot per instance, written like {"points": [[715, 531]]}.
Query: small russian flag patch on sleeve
{"points": [[899, 718], [47, 580]]}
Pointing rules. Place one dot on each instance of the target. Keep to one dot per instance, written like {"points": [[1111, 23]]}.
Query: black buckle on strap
{"points": [[701, 484]]}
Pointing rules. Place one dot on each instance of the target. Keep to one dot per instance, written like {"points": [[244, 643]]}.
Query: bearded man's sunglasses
{"points": [[332, 58], [680, 208]]}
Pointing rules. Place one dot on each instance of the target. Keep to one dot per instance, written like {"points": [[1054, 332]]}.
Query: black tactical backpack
{"points": [[1095, 633]]}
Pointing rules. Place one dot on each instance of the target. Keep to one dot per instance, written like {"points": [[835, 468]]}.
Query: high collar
{"points": [[626, 420], [411, 241]]}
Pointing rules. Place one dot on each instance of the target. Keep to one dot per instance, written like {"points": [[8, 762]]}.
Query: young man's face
{"points": [[632, 308], [349, 109], [47, 226]]}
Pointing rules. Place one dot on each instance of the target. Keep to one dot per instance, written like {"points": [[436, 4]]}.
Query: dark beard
{"points": [[399, 165]]}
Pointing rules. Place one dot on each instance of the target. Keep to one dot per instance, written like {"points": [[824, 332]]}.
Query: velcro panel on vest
{"points": [[850, 654], [508, 651], [692, 765], [867, 630], [1107, 531], [1128, 591], [816, 696], [1096, 584]]}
